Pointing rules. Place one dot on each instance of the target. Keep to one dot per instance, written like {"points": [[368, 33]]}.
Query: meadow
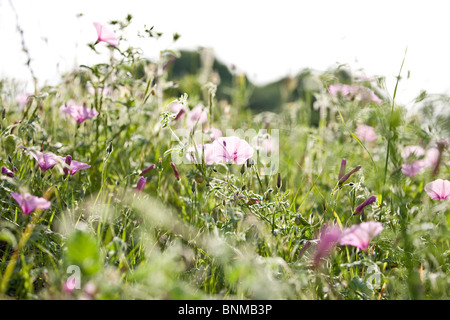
{"points": [[124, 182]]}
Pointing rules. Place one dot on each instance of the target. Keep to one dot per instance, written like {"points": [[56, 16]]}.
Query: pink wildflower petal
{"points": [[349, 92], [431, 157], [366, 133], [69, 285], [329, 236], [416, 151], [106, 35], [30, 203], [198, 115], [214, 133], [438, 189], [176, 106], [412, 169], [79, 113], [74, 166], [232, 150], [360, 235], [45, 160], [23, 98]]}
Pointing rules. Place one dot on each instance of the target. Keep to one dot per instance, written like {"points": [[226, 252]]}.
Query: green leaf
{"points": [[83, 251]]}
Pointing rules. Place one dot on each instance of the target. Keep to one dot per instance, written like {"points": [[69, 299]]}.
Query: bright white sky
{"points": [[265, 39]]}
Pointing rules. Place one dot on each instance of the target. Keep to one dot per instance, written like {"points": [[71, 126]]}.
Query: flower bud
{"points": [[141, 184], [175, 171], [279, 183], [67, 165], [342, 169], [347, 175], [149, 168]]}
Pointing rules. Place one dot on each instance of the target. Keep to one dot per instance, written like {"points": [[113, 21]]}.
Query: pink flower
{"points": [[106, 35], [30, 203], [350, 92], [45, 160], [232, 150], [214, 133], [23, 98], [417, 159], [197, 115], [265, 143], [176, 106], [438, 189], [416, 151], [195, 154], [70, 285], [360, 235], [141, 184], [329, 236], [72, 166], [412, 169], [79, 113], [431, 157], [366, 133]]}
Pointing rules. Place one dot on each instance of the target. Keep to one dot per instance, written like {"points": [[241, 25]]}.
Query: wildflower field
{"points": [[133, 180]]}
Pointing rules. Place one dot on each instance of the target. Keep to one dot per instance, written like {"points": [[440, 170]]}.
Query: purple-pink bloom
{"points": [[141, 184], [23, 98], [349, 92], [265, 143], [214, 133], [176, 106], [365, 203], [416, 151], [197, 115], [366, 133], [417, 159], [328, 238], [360, 235], [78, 112], [105, 35], [74, 166], [412, 169], [46, 160], [438, 189], [232, 150], [431, 157], [70, 285], [7, 172], [30, 203]]}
